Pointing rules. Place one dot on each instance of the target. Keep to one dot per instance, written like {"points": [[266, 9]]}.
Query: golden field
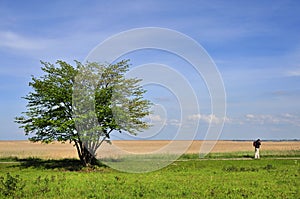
{"points": [[23, 149]]}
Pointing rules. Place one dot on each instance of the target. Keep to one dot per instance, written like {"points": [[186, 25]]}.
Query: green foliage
{"points": [[104, 100], [83, 105], [49, 109], [10, 185]]}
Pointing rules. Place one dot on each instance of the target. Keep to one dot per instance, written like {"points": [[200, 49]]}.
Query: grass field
{"points": [[223, 174], [265, 178]]}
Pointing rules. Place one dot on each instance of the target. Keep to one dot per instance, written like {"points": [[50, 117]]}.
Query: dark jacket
{"points": [[257, 144]]}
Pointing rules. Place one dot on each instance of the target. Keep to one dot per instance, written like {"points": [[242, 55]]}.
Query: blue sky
{"points": [[255, 45]]}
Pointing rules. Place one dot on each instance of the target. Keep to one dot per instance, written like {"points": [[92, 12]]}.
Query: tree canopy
{"points": [[83, 105]]}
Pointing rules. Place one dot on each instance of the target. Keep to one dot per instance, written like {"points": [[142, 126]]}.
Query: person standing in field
{"points": [[256, 145]]}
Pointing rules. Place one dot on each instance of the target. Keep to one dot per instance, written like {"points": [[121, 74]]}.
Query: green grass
{"points": [[246, 154], [186, 178]]}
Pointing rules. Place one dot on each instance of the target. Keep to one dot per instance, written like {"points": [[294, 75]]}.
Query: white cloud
{"points": [[195, 117], [288, 115], [155, 118], [249, 116], [174, 122], [16, 41], [295, 73], [211, 118], [287, 119]]}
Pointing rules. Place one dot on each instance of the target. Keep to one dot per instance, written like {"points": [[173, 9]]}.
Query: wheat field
{"points": [[24, 149]]}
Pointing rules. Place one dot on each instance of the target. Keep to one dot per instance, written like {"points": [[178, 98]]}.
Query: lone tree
{"points": [[83, 105]]}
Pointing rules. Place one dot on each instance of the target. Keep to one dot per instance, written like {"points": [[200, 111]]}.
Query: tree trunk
{"points": [[85, 156], [88, 159]]}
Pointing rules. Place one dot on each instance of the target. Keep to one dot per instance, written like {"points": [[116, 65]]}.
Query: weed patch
{"points": [[233, 168], [10, 185]]}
